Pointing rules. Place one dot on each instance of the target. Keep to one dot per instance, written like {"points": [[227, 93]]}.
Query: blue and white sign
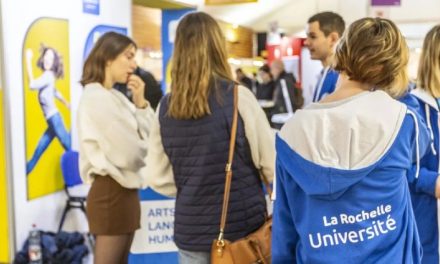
{"points": [[97, 32], [154, 241], [91, 7]]}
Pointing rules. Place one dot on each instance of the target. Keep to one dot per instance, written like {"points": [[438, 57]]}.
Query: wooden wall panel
{"points": [[243, 48], [239, 40], [146, 25], [147, 29]]}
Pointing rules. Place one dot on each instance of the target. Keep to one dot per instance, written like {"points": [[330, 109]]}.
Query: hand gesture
{"points": [[137, 87]]}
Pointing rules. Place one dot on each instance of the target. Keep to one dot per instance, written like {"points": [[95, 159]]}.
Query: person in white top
{"points": [[113, 136], [51, 64]]}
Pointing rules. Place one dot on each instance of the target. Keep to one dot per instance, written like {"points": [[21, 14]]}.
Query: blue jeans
{"points": [[194, 257], [55, 128]]}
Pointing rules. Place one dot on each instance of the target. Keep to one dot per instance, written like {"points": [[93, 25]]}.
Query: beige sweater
{"points": [[113, 136], [260, 136]]}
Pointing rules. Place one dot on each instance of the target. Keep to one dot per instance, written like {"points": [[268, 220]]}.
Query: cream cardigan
{"points": [[113, 136]]}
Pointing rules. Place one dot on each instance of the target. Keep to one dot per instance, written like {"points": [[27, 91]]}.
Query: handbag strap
{"points": [[228, 170]]}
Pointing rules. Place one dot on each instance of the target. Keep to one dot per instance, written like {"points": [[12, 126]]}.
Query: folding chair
{"points": [[70, 171]]}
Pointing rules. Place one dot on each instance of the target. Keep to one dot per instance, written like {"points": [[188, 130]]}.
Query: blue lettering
{"points": [[160, 226], [160, 239], [160, 212]]}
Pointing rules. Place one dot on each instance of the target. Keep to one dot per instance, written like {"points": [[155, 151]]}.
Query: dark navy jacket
{"points": [[198, 150]]}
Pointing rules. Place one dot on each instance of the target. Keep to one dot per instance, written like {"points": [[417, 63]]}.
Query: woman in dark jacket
{"points": [[266, 88], [189, 143]]}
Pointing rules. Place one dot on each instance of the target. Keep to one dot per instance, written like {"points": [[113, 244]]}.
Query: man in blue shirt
{"points": [[323, 32]]}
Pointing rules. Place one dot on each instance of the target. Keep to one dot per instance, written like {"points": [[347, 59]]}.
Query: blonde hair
{"points": [[428, 77], [199, 60], [373, 51]]}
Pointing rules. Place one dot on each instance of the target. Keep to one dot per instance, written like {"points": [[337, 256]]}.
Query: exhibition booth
{"points": [[31, 176]]}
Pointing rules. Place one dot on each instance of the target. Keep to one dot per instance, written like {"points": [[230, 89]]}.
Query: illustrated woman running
{"points": [[51, 63]]}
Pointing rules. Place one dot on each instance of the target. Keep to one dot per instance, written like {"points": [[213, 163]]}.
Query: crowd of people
{"points": [[356, 170]]}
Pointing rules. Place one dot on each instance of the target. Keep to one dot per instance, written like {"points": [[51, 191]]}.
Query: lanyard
{"points": [[320, 84]]}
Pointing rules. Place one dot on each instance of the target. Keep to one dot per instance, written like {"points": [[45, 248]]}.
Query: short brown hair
{"points": [[429, 67], [199, 61], [373, 51], [106, 49], [329, 22]]}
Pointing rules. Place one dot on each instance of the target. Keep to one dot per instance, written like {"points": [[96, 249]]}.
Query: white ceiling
{"points": [[414, 17]]}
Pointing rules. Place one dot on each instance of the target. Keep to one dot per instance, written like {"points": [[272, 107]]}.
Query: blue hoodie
{"points": [[422, 188], [326, 84], [341, 192]]}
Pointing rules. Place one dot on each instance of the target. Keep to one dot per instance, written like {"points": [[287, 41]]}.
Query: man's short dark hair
{"points": [[329, 22]]}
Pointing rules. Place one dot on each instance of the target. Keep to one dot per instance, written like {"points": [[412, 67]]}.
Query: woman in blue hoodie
{"points": [[425, 189], [342, 163]]}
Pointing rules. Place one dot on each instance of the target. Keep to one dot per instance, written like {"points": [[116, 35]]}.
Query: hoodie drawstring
{"points": [[428, 121], [417, 143]]}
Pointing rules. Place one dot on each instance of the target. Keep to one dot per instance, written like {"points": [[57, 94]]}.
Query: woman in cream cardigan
{"points": [[112, 137]]}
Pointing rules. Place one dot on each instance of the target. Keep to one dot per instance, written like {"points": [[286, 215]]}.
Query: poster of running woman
{"points": [[46, 84]]}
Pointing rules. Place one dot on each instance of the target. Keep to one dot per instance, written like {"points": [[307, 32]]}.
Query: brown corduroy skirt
{"points": [[111, 208]]}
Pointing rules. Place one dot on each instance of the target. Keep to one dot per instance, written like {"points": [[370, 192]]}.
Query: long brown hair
{"points": [[429, 67], [199, 59], [106, 49]]}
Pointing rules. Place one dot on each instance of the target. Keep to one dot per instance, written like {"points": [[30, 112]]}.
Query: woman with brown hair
{"points": [[113, 147], [189, 143]]}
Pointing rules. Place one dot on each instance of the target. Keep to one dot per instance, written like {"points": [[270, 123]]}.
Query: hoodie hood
{"points": [[424, 96], [337, 144]]}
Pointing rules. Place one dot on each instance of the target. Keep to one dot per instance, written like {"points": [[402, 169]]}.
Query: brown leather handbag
{"points": [[254, 248]]}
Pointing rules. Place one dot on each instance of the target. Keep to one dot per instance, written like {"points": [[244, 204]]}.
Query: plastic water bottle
{"points": [[34, 248]]}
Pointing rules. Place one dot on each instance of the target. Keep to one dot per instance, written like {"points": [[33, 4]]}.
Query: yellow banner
{"points": [[228, 2], [46, 84], [4, 230]]}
